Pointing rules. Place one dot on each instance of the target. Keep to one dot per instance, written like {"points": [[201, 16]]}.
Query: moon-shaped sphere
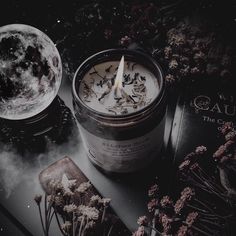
{"points": [[30, 71]]}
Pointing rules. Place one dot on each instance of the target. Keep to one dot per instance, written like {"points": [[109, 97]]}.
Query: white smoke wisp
{"points": [[15, 169], [11, 170]]}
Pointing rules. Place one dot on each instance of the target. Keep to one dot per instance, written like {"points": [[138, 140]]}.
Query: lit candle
{"points": [[125, 90], [119, 103]]}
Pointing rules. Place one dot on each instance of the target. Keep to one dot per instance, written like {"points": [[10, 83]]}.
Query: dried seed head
{"points": [[38, 199]]}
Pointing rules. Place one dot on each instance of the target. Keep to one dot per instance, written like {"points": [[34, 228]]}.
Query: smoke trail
{"points": [[16, 169]]}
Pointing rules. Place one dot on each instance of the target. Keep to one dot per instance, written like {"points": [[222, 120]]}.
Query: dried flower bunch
{"points": [[77, 211], [194, 50], [207, 204], [185, 46]]}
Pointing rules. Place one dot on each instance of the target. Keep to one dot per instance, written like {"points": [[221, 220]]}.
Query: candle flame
{"points": [[119, 76]]}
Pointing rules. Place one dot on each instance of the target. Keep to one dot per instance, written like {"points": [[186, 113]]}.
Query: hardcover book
{"points": [[201, 111]]}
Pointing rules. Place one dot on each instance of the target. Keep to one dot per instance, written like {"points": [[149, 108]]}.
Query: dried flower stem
{"points": [[81, 226], [46, 214], [41, 219], [204, 205], [59, 225], [200, 231], [103, 214], [156, 231], [110, 230], [209, 222]]}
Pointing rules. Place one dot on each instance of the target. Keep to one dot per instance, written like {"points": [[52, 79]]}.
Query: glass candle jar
{"points": [[120, 105]]}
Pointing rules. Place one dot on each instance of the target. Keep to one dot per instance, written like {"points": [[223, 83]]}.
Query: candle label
{"points": [[125, 155]]}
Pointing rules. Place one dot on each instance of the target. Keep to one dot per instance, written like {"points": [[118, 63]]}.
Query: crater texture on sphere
{"points": [[30, 71]]}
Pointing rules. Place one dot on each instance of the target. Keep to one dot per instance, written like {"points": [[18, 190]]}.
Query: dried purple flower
{"points": [[187, 193], [167, 52], [176, 38], [191, 218], [200, 150], [228, 126], [223, 149], [170, 78], [230, 135], [142, 220], [220, 152], [125, 41], [179, 205], [184, 166], [173, 64], [166, 223], [183, 231], [166, 202]]}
